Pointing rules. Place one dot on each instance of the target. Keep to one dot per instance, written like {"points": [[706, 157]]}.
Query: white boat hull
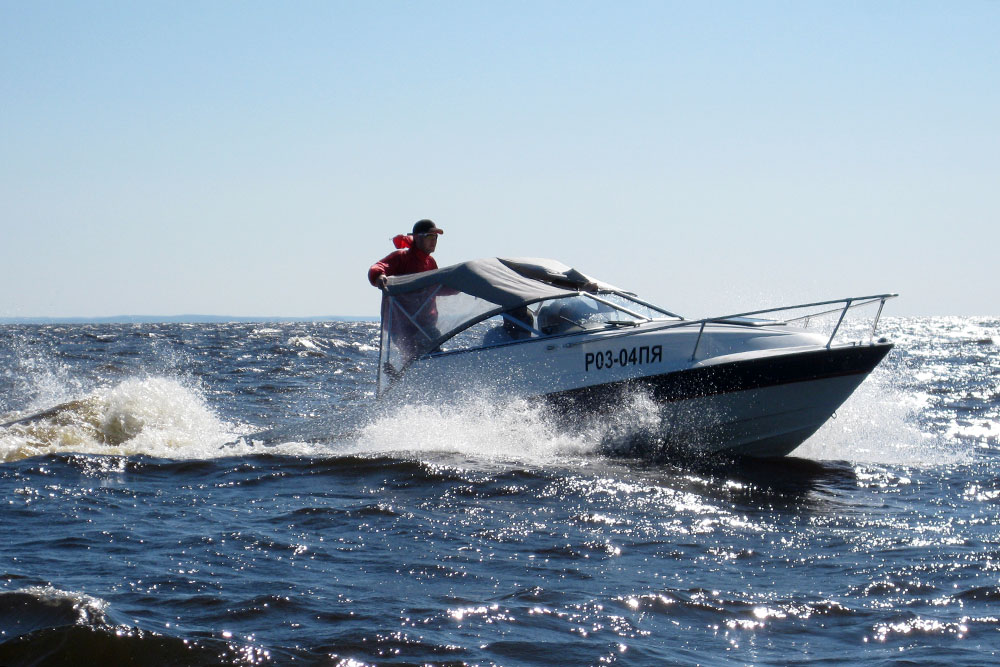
{"points": [[759, 392]]}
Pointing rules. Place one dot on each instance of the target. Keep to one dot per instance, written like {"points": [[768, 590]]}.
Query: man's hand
{"points": [[382, 282]]}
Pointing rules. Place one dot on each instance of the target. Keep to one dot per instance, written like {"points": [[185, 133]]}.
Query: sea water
{"points": [[146, 518]]}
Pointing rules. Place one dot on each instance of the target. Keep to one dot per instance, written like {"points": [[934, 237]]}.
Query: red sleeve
{"points": [[387, 266]]}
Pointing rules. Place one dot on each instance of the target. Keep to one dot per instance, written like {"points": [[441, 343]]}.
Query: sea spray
{"points": [[484, 428], [880, 424], [153, 416]]}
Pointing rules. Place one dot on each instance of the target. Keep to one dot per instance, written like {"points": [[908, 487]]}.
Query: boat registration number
{"points": [[625, 356]]}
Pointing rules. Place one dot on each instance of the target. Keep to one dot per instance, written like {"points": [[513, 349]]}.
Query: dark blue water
{"points": [[139, 527]]}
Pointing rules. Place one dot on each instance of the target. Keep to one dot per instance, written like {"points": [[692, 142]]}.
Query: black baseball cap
{"points": [[426, 227]]}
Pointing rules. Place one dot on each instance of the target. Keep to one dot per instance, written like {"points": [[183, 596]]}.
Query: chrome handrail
{"points": [[865, 299], [615, 306], [849, 303], [847, 307]]}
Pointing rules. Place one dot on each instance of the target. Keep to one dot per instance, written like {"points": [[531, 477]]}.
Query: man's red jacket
{"points": [[400, 263]]}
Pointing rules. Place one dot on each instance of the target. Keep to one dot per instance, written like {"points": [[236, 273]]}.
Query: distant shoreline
{"points": [[184, 319]]}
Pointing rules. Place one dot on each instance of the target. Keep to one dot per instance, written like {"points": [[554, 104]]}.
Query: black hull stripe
{"points": [[725, 378]]}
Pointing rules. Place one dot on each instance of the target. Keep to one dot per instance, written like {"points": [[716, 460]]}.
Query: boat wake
{"points": [[483, 429], [163, 417]]}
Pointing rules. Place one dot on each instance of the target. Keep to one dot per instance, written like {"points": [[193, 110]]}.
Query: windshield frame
{"points": [[538, 334]]}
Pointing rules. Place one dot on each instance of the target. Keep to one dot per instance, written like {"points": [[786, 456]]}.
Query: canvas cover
{"points": [[504, 282]]}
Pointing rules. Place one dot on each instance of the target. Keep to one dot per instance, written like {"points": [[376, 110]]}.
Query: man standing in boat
{"points": [[413, 256], [411, 334]]}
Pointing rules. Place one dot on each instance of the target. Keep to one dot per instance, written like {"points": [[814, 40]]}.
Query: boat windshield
{"points": [[437, 319], [552, 317]]}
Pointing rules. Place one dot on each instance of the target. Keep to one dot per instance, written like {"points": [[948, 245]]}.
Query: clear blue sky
{"points": [[254, 158]]}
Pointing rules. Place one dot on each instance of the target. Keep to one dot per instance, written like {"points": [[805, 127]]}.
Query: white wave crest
{"points": [[482, 429], [153, 416]]}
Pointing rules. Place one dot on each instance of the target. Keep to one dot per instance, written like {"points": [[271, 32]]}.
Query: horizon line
{"points": [[193, 318], [182, 319]]}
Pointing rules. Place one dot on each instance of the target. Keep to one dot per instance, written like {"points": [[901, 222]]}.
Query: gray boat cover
{"points": [[505, 282]]}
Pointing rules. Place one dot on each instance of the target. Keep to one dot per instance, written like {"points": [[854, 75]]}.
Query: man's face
{"points": [[426, 242]]}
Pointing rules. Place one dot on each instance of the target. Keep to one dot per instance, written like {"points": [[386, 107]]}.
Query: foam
{"points": [[482, 429], [154, 416], [879, 424], [166, 417]]}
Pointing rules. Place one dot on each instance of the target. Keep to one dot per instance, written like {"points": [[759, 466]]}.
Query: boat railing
{"points": [[848, 303]]}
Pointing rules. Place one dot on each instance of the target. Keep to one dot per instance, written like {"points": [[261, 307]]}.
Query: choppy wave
{"points": [[41, 607], [153, 416], [225, 495], [168, 418], [315, 382], [46, 626]]}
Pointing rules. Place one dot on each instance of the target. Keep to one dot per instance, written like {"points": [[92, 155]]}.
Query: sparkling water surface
{"points": [[141, 524]]}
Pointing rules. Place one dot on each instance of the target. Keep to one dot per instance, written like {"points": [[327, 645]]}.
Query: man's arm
{"points": [[380, 270]]}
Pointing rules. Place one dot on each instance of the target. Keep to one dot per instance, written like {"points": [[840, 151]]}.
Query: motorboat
{"points": [[748, 384]]}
